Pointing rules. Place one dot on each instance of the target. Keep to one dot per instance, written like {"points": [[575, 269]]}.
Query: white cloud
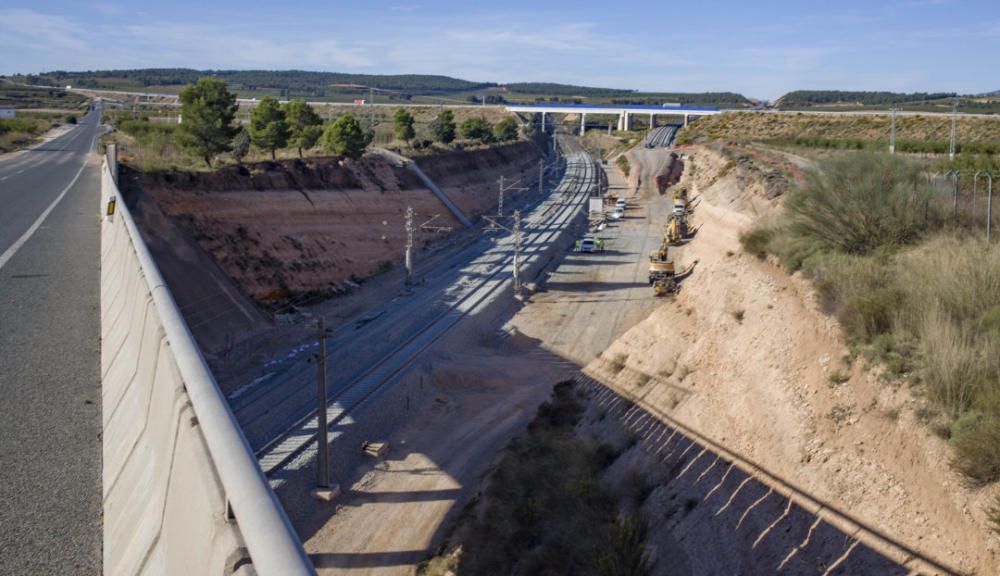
{"points": [[36, 31], [205, 46]]}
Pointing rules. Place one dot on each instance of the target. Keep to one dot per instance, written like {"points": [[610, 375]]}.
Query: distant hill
{"points": [[335, 86], [298, 81], [807, 98], [993, 93]]}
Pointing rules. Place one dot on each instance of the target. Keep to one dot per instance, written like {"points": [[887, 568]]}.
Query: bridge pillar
{"points": [[621, 121], [543, 121], [685, 119], [628, 121], [652, 121], [583, 123]]}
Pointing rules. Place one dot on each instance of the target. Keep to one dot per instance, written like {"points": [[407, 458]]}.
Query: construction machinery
{"points": [[663, 276], [681, 206], [677, 230]]}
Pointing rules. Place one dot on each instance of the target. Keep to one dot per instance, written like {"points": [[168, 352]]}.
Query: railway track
{"points": [[468, 291], [661, 137]]}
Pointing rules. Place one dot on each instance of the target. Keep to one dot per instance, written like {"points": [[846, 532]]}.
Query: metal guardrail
{"points": [[271, 541]]}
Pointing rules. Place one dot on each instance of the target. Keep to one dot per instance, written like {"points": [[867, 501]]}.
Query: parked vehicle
{"points": [[590, 244]]}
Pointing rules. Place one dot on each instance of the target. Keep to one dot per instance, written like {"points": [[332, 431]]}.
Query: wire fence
{"points": [[971, 194]]}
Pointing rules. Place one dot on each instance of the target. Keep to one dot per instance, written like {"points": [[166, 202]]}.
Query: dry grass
{"points": [[910, 291], [754, 126], [975, 438], [951, 288]]}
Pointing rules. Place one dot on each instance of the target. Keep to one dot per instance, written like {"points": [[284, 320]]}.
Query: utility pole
{"points": [[323, 444], [504, 188], [954, 120], [409, 246], [541, 177], [496, 225], [371, 109], [892, 137], [517, 253], [500, 199]]}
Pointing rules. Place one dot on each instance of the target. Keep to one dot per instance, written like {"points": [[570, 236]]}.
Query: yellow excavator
{"points": [[663, 276], [677, 230]]}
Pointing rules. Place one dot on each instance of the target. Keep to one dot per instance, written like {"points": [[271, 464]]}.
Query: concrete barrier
{"points": [[182, 490]]}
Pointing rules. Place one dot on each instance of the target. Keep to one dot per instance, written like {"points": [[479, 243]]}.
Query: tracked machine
{"points": [[663, 275], [677, 230]]}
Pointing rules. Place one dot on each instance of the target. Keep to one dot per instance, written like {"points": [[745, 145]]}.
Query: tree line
{"points": [[817, 97], [298, 81], [207, 129]]}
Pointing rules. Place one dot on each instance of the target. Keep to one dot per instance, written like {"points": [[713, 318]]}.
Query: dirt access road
{"points": [[484, 391]]}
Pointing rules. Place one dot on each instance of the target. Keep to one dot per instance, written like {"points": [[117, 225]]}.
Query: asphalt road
{"points": [[50, 420]]}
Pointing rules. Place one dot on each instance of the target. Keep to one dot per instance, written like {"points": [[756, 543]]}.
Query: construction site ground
{"points": [[485, 390], [785, 468]]}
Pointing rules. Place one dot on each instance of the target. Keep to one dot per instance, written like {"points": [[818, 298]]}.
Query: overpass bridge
{"points": [[624, 113]]}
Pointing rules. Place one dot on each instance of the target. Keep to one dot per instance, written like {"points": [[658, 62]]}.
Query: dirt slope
{"points": [[744, 356], [279, 234], [298, 226]]}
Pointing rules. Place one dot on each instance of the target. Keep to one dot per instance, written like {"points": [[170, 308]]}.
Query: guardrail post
{"points": [[111, 152]]}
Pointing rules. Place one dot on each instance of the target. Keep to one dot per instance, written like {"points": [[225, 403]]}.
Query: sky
{"points": [[761, 49]]}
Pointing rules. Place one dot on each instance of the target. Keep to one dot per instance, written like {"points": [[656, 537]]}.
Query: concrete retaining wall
{"points": [[182, 491]]}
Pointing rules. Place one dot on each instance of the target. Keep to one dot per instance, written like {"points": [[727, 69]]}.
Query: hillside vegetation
{"points": [[26, 97], [340, 87], [915, 101], [913, 290], [28, 128], [818, 97], [913, 133]]}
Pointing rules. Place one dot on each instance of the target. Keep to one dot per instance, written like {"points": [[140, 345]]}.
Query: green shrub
{"points": [[860, 202], [626, 552], [975, 438], [756, 240], [867, 315], [545, 510]]}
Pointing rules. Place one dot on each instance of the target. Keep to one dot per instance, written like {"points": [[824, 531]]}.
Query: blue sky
{"points": [[762, 49]]}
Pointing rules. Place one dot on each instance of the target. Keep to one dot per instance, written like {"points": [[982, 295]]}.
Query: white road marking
{"points": [[9, 253], [4, 178]]}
